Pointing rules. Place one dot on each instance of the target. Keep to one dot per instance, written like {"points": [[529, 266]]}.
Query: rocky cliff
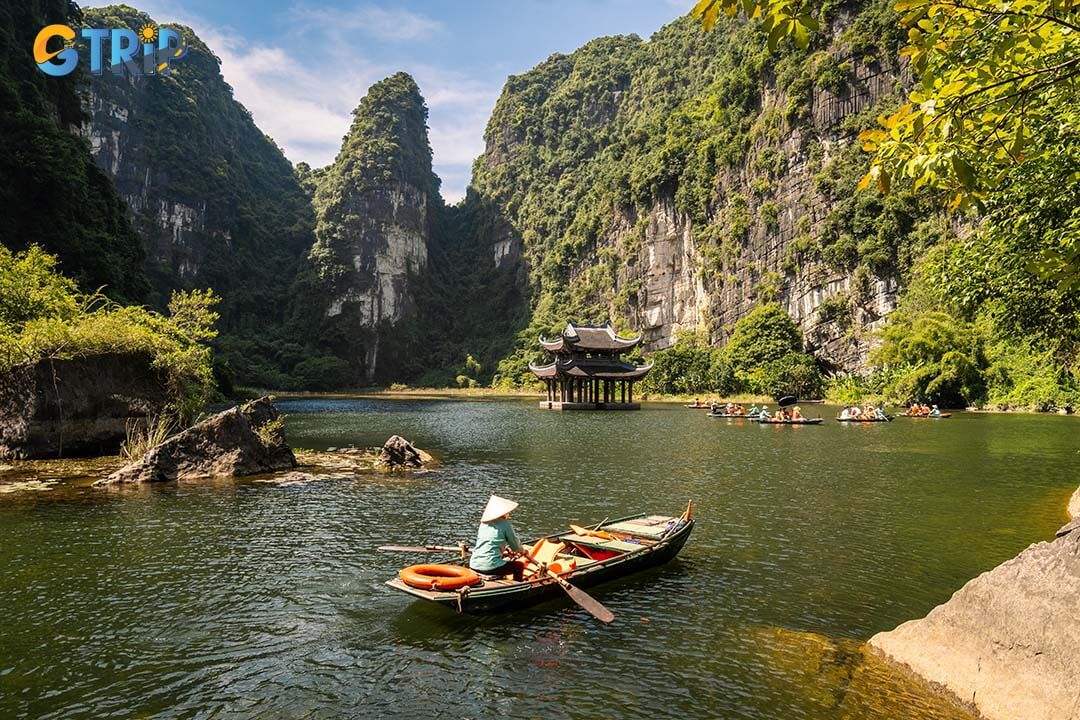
{"points": [[51, 192], [61, 408], [375, 208], [215, 201], [675, 183], [1005, 642]]}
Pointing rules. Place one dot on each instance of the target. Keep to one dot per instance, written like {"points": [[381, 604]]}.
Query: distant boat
{"points": [[738, 416], [863, 419], [804, 421]]}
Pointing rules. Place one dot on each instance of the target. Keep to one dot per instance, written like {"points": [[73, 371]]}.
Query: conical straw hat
{"points": [[497, 507]]}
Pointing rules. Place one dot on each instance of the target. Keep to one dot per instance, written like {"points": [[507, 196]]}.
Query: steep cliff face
{"points": [[216, 202], [676, 183], [375, 208], [51, 192]]}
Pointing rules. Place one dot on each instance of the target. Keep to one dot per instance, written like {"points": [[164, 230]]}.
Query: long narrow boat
{"points": [[703, 406], [939, 416], [804, 421], [638, 542], [863, 420], [735, 416]]}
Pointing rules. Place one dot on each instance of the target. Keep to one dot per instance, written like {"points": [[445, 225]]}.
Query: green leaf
{"points": [[964, 172]]}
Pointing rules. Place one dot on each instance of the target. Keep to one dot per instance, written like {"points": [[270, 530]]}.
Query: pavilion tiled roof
{"points": [[591, 368], [586, 338]]}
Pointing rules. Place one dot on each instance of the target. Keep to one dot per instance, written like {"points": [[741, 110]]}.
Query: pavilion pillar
{"points": [[630, 394], [622, 390]]}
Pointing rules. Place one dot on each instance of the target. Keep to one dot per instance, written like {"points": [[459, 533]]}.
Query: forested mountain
{"points": [[676, 183], [215, 201], [375, 205], [695, 187], [51, 192]]}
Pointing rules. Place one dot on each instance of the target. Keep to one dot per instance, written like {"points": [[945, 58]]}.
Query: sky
{"points": [[301, 66]]}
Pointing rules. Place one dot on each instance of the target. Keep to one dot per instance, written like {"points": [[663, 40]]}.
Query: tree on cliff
{"points": [[996, 86]]}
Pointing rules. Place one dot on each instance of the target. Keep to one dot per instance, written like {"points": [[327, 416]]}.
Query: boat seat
{"points": [[600, 543], [652, 526], [544, 551]]}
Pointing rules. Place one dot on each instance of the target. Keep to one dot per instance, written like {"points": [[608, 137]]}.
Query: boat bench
{"points": [[599, 543], [652, 526]]}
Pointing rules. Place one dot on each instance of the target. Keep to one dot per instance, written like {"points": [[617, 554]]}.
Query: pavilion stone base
{"points": [[589, 406]]}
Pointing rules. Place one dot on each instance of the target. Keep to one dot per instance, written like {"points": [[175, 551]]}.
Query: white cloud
{"points": [[307, 109], [388, 25]]}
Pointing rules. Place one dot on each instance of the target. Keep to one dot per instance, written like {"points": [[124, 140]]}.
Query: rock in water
{"points": [[1007, 642], [398, 452], [60, 408], [243, 440]]}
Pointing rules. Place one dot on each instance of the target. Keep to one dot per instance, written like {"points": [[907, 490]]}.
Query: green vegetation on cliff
{"points": [[51, 192], [582, 149], [241, 222], [764, 356], [43, 315]]}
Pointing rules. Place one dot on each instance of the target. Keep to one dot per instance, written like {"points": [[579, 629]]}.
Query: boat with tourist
{"points": [[577, 557], [863, 419], [792, 421]]}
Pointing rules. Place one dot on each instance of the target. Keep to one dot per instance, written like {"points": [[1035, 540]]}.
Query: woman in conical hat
{"points": [[495, 536]]}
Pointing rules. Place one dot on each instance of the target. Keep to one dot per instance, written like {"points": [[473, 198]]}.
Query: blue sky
{"points": [[301, 66]]}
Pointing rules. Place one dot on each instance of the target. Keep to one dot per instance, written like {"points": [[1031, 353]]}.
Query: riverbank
{"points": [[405, 391], [1005, 643]]}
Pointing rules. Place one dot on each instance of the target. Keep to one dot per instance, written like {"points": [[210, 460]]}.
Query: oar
{"points": [[585, 601], [459, 548]]}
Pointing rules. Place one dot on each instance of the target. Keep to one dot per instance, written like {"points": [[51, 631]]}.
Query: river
{"points": [[245, 599]]}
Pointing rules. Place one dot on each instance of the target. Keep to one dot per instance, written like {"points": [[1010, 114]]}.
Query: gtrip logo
{"points": [[148, 52]]}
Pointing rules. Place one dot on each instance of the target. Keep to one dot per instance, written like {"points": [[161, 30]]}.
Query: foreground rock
{"points": [[61, 408], [244, 440], [399, 453], [1008, 642]]}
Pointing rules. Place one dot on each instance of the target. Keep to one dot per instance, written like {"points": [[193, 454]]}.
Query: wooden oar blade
{"points": [[588, 603]]}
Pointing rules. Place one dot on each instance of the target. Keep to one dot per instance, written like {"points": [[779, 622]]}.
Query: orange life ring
{"points": [[438, 577]]}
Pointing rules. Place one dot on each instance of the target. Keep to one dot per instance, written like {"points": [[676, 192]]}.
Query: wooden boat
{"points": [[643, 541], [940, 416], [737, 416], [703, 406], [804, 421], [863, 419]]}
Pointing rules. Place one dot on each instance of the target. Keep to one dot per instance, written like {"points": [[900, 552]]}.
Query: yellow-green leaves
{"points": [[987, 71], [780, 19]]}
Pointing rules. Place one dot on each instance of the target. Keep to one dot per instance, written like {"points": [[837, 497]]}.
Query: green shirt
{"points": [[490, 539]]}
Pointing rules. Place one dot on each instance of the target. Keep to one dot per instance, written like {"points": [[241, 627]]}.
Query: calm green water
{"points": [[240, 599]]}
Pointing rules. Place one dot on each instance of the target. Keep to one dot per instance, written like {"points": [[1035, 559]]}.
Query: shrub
{"points": [[795, 374], [322, 372], [767, 333], [43, 316], [935, 358]]}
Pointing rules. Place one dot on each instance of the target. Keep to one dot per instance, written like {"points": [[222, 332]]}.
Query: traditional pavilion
{"points": [[588, 372]]}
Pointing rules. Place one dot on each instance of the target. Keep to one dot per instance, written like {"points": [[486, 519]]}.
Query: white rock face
{"points": [[384, 254], [1007, 641]]}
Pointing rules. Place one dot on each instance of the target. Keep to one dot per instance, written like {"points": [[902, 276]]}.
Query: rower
{"points": [[754, 409], [935, 411], [495, 536], [764, 414]]}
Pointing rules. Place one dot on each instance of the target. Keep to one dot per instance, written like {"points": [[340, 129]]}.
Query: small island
{"points": [[588, 371]]}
